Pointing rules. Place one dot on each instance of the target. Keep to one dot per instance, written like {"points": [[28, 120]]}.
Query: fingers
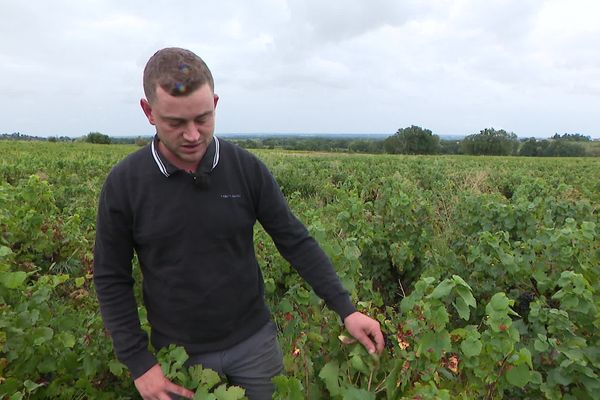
{"points": [[379, 340], [167, 390], [161, 396], [372, 339], [153, 385], [179, 390], [366, 330], [366, 341]]}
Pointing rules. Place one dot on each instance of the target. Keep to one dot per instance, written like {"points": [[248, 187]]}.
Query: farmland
{"points": [[483, 272]]}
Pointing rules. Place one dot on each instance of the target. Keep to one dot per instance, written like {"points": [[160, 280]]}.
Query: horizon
{"points": [[294, 134]]}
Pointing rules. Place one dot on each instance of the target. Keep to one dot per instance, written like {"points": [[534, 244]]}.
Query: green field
{"points": [[483, 271]]}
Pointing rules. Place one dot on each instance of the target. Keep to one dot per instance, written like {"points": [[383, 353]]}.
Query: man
{"points": [[186, 204]]}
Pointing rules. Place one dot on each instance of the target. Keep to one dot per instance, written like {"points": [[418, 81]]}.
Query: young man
{"points": [[187, 204]]}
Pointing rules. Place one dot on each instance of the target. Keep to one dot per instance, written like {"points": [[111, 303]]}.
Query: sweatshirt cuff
{"points": [[342, 305], [140, 363]]}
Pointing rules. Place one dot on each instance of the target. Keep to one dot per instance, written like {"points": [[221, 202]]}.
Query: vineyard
{"points": [[484, 273]]}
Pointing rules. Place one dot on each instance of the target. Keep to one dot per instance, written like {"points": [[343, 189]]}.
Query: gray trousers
{"points": [[250, 364]]}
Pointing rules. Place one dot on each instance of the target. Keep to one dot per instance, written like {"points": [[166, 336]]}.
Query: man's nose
{"points": [[191, 133]]}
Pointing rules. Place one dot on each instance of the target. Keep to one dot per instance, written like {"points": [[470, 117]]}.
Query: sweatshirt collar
{"points": [[207, 164]]}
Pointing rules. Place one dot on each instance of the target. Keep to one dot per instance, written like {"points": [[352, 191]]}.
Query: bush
{"points": [[412, 140], [97, 137], [491, 142]]}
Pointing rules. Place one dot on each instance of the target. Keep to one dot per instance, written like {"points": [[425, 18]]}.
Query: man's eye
{"points": [[175, 124]]}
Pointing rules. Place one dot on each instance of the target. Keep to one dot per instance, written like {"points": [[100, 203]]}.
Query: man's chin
{"points": [[191, 158]]}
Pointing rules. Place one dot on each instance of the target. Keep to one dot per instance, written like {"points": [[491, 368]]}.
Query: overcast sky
{"points": [[308, 66]]}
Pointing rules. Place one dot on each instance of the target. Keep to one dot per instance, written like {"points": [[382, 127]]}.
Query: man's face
{"points": [[184, 124]]}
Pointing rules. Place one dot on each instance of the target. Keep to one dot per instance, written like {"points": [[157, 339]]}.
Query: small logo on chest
{"points": [[231, 196]]}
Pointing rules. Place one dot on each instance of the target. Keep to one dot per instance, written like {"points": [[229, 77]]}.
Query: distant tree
{"points": [[532, 148], [412, 140], [359, 146], [376, 146], [140, 141], [574, 137], [563, 148], [450, 147], [97, 137], [491, 142], [52, 139], [552, 148]]}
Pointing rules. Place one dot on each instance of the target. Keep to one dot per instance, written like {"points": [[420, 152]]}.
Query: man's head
{"points": [[177, 71], [180, 102]]}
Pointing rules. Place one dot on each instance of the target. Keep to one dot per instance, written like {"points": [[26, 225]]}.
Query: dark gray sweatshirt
{"points": [[193, 235]]}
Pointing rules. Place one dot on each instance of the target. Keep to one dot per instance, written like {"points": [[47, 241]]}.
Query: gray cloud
{"points": [[290, 65]]}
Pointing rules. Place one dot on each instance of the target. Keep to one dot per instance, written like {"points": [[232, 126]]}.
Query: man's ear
{"points": [[147, 108], [216, 97]]}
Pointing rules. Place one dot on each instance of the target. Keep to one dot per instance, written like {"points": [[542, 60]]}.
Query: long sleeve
{"points": [[297, 246], [113, 279]]}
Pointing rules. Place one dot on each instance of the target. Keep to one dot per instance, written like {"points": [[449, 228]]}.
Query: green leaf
{"points": [[499, 302], [461, 282], [10, 385], [525, 356], [329, 374], [288, 388], [202, 394], [5, 251], [357, 394], [67, 339], [569, 302], [574, 354], [13, 280], [540, 345], [560, 376], [179, 355], [231, 393], [434, 344], [89, 366], [115, 367], [439, 317], [358, 364], [46, 365], [31, 386], [209, 378], [79, 281], [587, 230], [467, 296], [41, 335], [471, 347], [462, 308], [442, 290], [285, 306], [518, 375], [393, 381], [269, 284], [351, 252]]}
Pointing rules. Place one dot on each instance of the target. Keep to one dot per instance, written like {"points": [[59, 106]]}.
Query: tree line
{"points": [[490, 141], [417, 140], [410, 140], [92, 137]]}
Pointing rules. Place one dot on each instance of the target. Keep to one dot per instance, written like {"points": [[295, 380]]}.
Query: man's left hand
{"points": [[366, 330]]}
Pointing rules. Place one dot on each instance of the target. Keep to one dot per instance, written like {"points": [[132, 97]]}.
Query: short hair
{"points": [[177, 71]]}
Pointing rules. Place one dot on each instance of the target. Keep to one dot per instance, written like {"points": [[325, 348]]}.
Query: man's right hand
{"points": [[153, 385]]}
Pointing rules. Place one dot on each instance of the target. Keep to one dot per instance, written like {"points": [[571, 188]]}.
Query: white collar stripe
{"points": [[158, 161], [216, 157], [163, 168]]}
